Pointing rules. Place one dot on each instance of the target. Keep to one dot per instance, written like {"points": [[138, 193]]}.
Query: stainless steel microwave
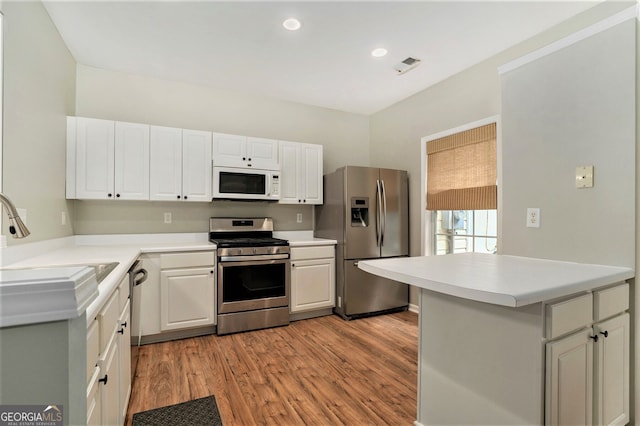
{"points": [[246, 184]]}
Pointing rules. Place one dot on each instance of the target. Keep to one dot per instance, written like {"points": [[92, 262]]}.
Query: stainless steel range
{"points": [[253, 274]]}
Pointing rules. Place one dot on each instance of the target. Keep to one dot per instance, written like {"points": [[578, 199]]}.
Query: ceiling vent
{"points": [[406, 65]]}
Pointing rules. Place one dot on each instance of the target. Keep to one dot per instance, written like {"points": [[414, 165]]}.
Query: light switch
{"points": [[584, 177]]}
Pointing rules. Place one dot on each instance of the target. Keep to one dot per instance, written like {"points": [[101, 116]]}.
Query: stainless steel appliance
{"points": [[254, 274], [137, 275], [367, 211], [246, 184]]}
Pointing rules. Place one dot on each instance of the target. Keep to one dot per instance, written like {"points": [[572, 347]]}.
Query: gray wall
{"points": [[39, 92], [135, 98], [469, 96], [579, 110]]}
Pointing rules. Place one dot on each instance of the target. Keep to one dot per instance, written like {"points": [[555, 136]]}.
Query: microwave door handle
{"points": [[269, 185]]}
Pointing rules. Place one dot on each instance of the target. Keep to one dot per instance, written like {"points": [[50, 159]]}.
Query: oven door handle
{"points": [[253, 257]]}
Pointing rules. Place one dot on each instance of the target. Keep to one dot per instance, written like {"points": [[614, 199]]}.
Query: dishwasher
{"points": [[137, 275]]}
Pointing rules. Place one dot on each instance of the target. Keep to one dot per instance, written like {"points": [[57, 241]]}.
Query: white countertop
{"points": [[499, 279], [92, 249]]}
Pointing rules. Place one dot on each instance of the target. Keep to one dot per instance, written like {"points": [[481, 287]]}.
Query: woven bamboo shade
{"points": [[462, 171]]}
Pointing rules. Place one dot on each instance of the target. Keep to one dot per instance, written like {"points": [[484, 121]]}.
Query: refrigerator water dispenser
{"points": [[360, 211]]}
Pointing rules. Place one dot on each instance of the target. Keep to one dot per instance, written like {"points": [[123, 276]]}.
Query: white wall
{"points": [[135, 98], [39, 92]]}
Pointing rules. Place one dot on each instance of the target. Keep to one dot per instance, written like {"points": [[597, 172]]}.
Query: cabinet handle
{"points": [[595, 338], [178, 197], [249, 165], [605, 333], [244, 158], [121, 331], [104, 379], [185, 197], [124, 324], [249, 159], [293, 265], [211, 272], [109, 195], [117, 195]]}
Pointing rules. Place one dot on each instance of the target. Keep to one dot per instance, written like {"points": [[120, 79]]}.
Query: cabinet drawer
{"points": [[108, 319], [93, 348], [610, 301], [187, 260], [315, 252], [569, 315], [123, 293]]}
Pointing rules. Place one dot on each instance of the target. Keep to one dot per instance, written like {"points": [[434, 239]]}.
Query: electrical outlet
{"points": [[167, 217], [299, 217], [533, 218]]}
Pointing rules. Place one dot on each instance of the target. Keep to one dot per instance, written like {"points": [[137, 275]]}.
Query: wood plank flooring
{"points": [[321, 371]]}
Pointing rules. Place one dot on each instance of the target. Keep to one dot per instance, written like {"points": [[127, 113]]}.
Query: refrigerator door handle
{"points": [[384, 215], [378, 213]]}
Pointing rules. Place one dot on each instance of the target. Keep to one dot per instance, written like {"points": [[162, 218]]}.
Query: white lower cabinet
{"points": [[587, 371], [109, 360], [313, 282], [187, 298], [179, 293]]}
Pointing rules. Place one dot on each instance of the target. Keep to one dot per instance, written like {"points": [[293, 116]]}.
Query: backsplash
{"points": [[136, 217]]}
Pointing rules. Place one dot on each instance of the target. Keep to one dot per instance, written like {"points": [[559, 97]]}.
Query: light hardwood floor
{"points": [[322, 371]]}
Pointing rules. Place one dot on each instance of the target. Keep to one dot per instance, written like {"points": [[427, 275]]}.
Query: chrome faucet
{"points": [[16, 227]]}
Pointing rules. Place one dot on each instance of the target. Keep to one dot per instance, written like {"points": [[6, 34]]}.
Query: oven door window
{"points": [[244, 282], [242, 183]]}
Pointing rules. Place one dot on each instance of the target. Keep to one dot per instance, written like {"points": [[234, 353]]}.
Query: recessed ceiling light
{"points": [[379, 52], [292, 24]]}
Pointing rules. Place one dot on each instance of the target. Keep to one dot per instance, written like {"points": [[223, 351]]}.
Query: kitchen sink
{"points": [[101, 269]]}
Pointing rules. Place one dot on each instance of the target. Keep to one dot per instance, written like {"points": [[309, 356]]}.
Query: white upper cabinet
{"points": [[94, 147], [180, 164], [166, 163], [301, 173], [196, 165], [245, 152], [131, 161], [111, 159]]}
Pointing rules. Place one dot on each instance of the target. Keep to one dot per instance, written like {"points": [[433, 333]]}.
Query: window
{"points": [[461, 191], [462, 231]]}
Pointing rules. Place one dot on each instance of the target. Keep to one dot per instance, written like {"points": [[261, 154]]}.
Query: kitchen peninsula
{"points": [[495, 330]]}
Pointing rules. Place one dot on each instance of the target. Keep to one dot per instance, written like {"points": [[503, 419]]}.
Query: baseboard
{"points": [[414, 308]]}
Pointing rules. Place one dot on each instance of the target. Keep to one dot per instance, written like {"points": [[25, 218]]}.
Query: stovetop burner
{"points": [[243, 232], [248, 242]]}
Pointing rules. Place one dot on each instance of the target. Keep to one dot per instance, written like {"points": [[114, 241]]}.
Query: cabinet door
{"points": [[94, 404], [196, 165], [94, 158], [110, 387], [124, 354], [311, 173], [165, 163], [569, 380], [312, 284], [187, 298], [611, 400], [262, 153], [229, 150], [131, 161], [289, 178], [145, 311]]}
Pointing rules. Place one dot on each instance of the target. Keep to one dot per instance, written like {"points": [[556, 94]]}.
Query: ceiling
{"points": [[242, 46]]}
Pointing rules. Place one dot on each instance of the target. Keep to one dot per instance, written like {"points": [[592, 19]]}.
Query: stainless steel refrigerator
{"points": [[367, 211]]}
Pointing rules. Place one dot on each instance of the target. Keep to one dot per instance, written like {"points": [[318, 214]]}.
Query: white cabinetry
{"points": [[107, 159], [244, 152], [179, 295], [301, 173], [587, 372], [109, 360], [180, 164], [313, 285]]}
